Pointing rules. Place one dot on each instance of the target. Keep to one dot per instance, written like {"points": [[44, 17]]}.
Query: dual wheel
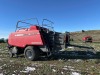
{"points": [[30, 53]]}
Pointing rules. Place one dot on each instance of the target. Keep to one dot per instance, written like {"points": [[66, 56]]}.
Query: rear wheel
{"points": [[31, 53]]}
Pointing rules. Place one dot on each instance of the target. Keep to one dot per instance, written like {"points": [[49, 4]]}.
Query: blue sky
{"points": [[67, 15]]}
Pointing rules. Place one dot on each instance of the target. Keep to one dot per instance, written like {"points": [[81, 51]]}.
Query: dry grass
{"points": [[77, 36], [56, 66]]}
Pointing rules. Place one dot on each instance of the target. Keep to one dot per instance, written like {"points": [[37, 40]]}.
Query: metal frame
{"points": [[48, 25], [23, 21]]}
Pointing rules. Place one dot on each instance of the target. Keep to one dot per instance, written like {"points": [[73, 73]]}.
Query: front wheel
{"points": [[10, 53], [13, 52], [31, 53]]}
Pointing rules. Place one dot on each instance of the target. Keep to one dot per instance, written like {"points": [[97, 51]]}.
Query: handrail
{"points": [[23, 21], [50, 26]]}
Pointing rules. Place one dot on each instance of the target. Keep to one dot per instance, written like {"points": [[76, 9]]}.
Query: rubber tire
{"points": [[30, 53]]}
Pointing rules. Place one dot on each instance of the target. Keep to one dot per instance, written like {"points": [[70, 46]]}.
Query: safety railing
{"points": [[49, 26], [27, 24]]}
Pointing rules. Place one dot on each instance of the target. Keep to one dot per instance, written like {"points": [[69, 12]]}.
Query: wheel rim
{"points": [[29, 54]]}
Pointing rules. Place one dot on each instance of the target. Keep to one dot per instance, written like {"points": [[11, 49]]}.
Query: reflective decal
{"points": [[19, 35], [36, 43]]}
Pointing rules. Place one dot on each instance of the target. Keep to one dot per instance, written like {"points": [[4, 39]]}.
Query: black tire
{"points": [[31, 53]]}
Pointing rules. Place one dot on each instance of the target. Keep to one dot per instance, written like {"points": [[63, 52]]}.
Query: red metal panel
{"points": [[27, 37]]}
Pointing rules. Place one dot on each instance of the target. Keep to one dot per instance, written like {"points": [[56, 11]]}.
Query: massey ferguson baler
{"points": [[36, 40]]}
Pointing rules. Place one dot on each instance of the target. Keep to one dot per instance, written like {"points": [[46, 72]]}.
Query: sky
{"points": [[67, 15]]}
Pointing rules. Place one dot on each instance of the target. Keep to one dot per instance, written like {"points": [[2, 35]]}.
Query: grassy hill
{"points": [[77, 36]]}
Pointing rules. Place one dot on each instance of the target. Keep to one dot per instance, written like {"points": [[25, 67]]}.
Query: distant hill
{"points": [[77, 36]]}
